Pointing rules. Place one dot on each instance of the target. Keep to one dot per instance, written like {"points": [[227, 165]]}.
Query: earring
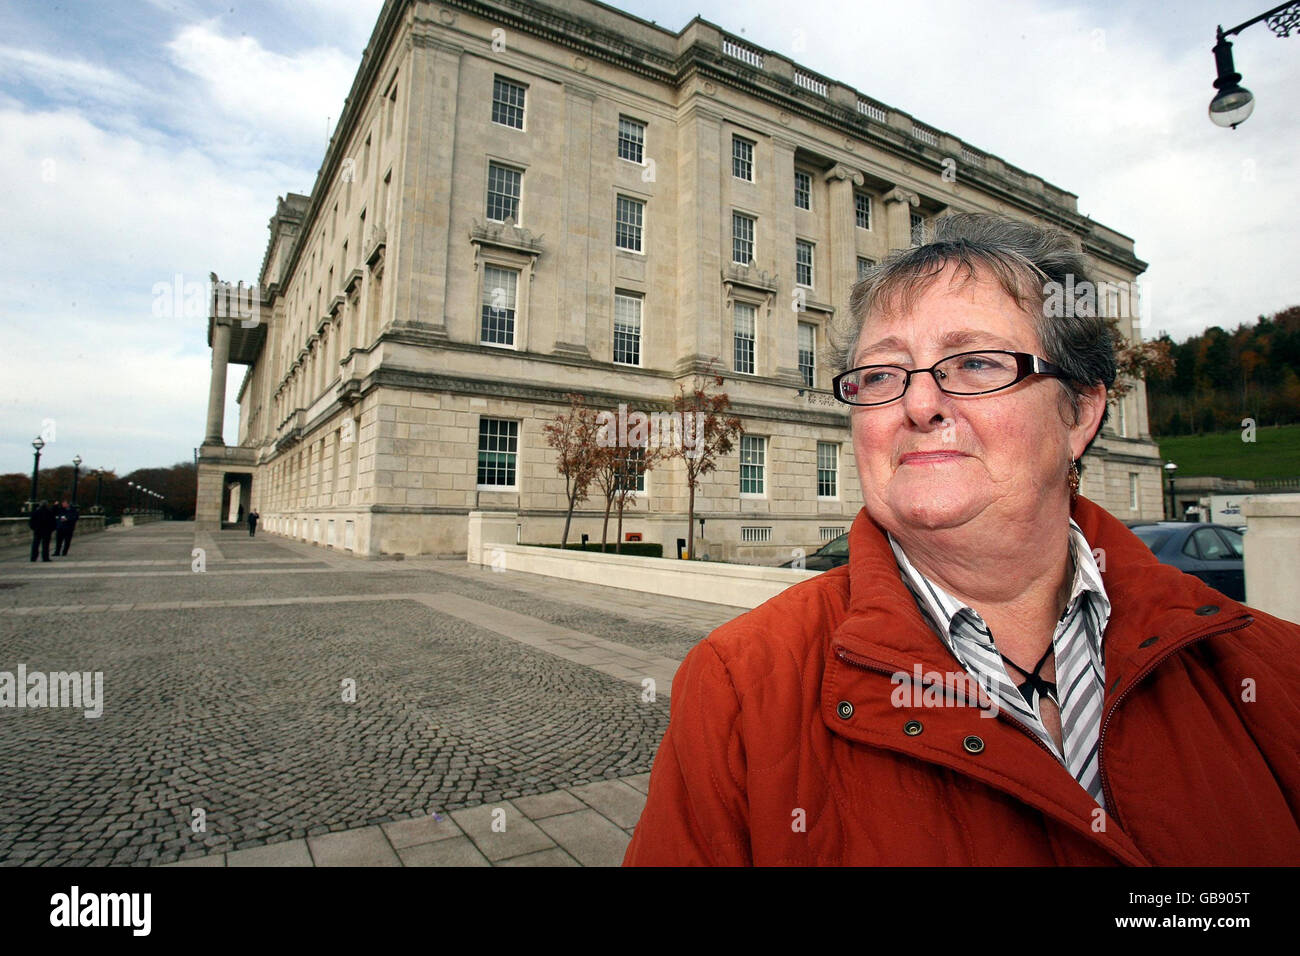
{"points": [[1072, 478]]}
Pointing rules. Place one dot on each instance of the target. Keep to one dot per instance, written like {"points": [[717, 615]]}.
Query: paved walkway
{"points": [[268, 701]]}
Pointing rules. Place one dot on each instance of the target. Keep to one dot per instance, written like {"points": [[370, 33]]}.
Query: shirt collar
{"points": [[941, 607]]}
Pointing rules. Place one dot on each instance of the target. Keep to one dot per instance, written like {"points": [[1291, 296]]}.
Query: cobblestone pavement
{"points": [[289, 696]]}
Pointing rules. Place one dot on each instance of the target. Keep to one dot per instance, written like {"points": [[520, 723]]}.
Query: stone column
{"points": [[899, 204], [843, 258], [217, 387]]}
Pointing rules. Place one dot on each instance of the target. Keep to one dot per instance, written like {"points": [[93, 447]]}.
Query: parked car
{"points": [[830, 555], [1211, 552]]}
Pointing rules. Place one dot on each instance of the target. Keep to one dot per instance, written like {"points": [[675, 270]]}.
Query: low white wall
{"points": [[491, 543], [1272, 559]]}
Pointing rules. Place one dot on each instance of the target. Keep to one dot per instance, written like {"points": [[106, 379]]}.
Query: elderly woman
{"points": [[1003, 673]]}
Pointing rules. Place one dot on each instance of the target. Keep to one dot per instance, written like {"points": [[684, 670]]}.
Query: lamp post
{"points": [[99, 488], [1233, 103], [76, 476], [130, 496], [38, 444], [1170, 468]]}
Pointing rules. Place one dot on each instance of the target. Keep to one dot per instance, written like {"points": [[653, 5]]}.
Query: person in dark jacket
{"points": [[252, 522], [42, 524], [65, 523]]}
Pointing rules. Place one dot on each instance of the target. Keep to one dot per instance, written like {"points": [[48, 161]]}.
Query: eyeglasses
{"points": [[966, 373]]}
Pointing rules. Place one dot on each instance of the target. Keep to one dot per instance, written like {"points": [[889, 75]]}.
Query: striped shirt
{"points": [[1080, 670]]}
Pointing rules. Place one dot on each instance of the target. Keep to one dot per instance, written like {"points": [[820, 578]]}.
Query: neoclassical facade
{"points": [[522, 201]]}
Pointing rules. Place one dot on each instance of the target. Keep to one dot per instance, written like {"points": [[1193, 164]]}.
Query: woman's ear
{"points": [[1092, 406]]}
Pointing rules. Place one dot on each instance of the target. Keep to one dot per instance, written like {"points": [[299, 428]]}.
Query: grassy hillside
{"points": [[1275, 453]]}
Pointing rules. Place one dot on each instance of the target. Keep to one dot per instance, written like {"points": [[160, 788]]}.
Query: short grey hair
{"points": [[1032, 264]]}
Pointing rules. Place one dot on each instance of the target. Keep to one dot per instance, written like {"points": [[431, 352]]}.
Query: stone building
{"points": [[523, 200]]}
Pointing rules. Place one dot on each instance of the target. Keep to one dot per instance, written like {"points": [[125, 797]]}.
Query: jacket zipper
{"points": [[1155, 662]]}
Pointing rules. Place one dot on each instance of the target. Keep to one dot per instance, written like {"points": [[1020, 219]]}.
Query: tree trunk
{"points": [[690, 517], [618, 538], [564, 540], [604, 530]]}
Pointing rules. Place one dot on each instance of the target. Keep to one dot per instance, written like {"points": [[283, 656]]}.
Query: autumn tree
{"points": [[573, 436], [708, 433]]}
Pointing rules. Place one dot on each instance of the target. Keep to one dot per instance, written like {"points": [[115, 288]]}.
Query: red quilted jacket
{"points": [[785, 747]]}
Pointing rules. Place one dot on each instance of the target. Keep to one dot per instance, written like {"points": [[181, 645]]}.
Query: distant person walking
{"points": [[252, 522], [42, 524], [65, 523]]}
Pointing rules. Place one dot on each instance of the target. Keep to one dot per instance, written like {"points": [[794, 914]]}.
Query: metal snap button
{"points": [[912, 728], [1205, 609], [844, 709], [973, 744]]}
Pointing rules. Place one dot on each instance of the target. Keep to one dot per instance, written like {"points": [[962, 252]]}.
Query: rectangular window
{"points": [[1121, 424], [1132, 491], [499, 289], [803, 263], [865, 265], [627, 329], [802, 190], [507, 103], [752, 535], [862, 210], [503, 193], [744, 336], [742, 239], [918, 229], [628, 222], [752, 456], [829, 533], [808, 352], [828, 460], [631, 140], [742, 159], [498, 451], [631, 471]]}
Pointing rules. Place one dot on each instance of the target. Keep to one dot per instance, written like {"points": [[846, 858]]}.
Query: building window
{"points": [[631, 470], [1132, 491], [499, 289], [498, 451], [865, 265], [628, 222], [631, 140], [829, 533], [918, 229], [503, 193], [803, 263], [742, 159], [807, 352], [742, 238], [802, 190], [862, 210], [1121, 415], [752, 455], [744, 336], [507, 103], [753, 535], [828, 460], [627, 329]]}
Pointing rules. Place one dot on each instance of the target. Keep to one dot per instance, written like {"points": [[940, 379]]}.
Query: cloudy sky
{"points": [[141, 141]]}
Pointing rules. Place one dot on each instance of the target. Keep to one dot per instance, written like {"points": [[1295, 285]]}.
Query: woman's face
{"points": [[930, 460]]}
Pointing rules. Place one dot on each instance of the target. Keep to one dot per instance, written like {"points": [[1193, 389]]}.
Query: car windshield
{"points": [[1234, 539], [840, 546], [1152, 536]]}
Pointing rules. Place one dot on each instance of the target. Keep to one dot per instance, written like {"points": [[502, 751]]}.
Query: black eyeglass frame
{"points": [[1027, 364]]}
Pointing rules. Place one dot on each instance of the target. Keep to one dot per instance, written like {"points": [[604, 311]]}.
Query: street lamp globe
{"points": [[1232, 106], [77, 461], [38, 444]]}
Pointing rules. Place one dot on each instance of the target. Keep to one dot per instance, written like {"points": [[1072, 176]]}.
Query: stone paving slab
{"points": [[588, 837], [364, 847]]}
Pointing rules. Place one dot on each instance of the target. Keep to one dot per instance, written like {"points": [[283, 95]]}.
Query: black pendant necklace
{"points": [[1033, 683]]}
